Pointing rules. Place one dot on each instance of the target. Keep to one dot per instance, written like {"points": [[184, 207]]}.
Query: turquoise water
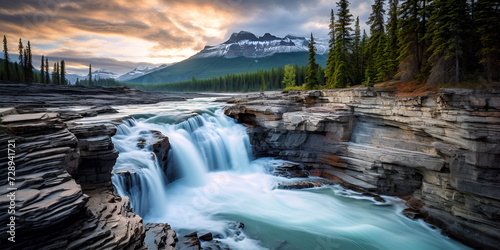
{"points": [[218, 182]]}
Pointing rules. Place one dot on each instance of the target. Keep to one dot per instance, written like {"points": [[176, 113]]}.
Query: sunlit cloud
{"points": [[153, 31]]}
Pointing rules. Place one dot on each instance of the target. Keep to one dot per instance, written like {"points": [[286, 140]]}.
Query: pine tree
{"points": [[330, 62], [42, 69], [447, 33], [343, 42], [412, 19], [90, 75], [381, 59], [377, 29], [28, 61], [25, 66], [63, 73], [47, 77], [289, 76], [312, 69], [58, 73], [55, 76], [262, 83], [6, 58], [391, 50], [21, 62], [358, 73], [364, 56], [487, 18]]}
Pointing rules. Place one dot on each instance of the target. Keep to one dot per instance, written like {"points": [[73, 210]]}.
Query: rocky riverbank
{"points": [[440, 151], [63, 196]]}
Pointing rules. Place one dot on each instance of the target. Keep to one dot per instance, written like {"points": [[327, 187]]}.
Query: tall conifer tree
{"points": [[63, 72], [412, 19], [28, 58], [330, 62], [487, 14], [25, 66], [90, 75], [42, 69], [6, 58], [55, 76], [312, 69], [343, 44], [21, 49], [447, 33], [47, 77], [376, 43], [357, 60], [391, 50]]}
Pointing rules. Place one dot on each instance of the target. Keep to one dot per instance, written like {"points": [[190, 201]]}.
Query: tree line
{"points": [[436, 42], [22, 70], [261, 80]]}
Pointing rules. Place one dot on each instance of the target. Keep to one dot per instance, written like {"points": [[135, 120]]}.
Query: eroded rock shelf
{"points": [[439, 151]]}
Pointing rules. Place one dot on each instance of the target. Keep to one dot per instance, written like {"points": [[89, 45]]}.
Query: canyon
{"points": [[440, 152]]}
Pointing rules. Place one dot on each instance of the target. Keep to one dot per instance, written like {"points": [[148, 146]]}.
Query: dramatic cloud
{"points": [[154, 31]]}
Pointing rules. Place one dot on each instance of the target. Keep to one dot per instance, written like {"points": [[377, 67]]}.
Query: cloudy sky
{"points": [[121, 34]]}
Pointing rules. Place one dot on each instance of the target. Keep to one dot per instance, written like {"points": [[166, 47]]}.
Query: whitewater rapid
{"points": [[218, 182]]}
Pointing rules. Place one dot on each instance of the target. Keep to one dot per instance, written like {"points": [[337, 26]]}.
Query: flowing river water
{"points": [[213, 181]]}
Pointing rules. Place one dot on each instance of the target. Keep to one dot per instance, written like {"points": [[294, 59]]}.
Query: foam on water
{"points": [[219, 182]]}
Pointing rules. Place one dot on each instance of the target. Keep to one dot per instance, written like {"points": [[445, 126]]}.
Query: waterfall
{"points": [[212, 181], [199, 145]]}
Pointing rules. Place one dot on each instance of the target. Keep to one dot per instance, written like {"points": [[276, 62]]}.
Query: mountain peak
{"points": [[140, 71], [241, 36], [268, 37], [247, 44]]}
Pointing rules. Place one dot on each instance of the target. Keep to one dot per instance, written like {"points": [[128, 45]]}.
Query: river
{"points": [[213, 181]]}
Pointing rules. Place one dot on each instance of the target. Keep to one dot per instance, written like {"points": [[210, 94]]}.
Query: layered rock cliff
{"points": [[62, 190], [62, 195], [439, 151]]}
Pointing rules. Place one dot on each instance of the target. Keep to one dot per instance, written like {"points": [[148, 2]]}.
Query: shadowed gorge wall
{"points": [[441, 150]]}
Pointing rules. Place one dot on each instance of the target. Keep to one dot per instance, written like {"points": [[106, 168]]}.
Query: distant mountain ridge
{"points": [[248, 45], [140, 71], [243, 52]]}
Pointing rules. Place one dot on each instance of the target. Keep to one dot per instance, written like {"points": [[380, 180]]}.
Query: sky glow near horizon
{"points": [[120, 35]]}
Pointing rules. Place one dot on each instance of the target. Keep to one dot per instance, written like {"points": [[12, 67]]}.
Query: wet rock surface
{"points": [[189, 242], [93, 99], [160, 236], [442, 149], [52, 209], [63, 196]]}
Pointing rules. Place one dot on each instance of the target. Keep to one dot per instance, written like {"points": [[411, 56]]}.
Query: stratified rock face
{"points": [[160, 236], [443, 148], [97, 154], [51, 210]]}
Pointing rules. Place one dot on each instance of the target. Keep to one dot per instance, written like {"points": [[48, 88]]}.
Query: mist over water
{"points": [[213, 180]]}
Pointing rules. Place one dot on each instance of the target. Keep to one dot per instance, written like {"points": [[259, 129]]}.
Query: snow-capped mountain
{"points": [[72, 77], [140, 71], [248, 45], [103, 74], [97, 74]]}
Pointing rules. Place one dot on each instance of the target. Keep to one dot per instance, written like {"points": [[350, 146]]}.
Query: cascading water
{"points": [[219, 183]]}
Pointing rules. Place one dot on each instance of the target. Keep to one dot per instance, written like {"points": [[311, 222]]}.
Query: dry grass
{"points": [[417, 88]]}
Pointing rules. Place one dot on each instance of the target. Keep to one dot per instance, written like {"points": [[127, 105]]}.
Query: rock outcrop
{"points": [[52, 164], [441, 151], [161, 236], [97, 154]]}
